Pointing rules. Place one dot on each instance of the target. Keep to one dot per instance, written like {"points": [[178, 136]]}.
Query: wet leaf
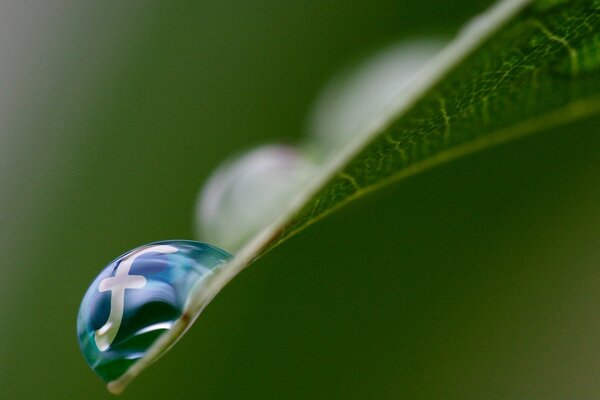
{"points": [[521, 67]]}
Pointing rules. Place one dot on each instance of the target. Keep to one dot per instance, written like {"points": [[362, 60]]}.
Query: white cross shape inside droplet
{"points": [[116, 285]]}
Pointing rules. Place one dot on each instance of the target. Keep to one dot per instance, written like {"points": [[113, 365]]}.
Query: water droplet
{"points": [[137, 298], [245, 194], [355, 97]]}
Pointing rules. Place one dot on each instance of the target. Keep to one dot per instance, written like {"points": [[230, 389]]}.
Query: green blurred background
{"points": [[478, 279]]}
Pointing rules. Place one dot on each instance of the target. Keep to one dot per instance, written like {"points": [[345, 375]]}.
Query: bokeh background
{"points": [[478, 279]]}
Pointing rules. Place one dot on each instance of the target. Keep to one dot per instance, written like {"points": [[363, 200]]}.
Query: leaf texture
{"points": [[541, 69], [521, 67]]}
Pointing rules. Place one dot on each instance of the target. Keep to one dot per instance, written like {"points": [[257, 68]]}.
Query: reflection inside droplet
{"points": [[120, 318]]}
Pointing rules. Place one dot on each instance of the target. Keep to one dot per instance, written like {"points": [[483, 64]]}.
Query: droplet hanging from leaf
{"points": [[245, 193], [355, 96], [138, 297]]}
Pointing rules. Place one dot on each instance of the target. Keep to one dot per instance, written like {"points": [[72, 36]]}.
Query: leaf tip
{"points": [[116, 387]]}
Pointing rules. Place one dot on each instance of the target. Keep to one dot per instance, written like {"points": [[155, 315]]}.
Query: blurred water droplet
{"points": [[352, 98], [245, 194]]}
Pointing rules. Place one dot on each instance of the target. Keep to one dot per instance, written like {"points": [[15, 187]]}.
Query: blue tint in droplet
{"points": [[138, 297]]}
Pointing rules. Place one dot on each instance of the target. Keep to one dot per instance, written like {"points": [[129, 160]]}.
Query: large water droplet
{"points": [[137, 298]]}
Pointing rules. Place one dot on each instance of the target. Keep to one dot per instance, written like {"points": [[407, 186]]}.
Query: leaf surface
{"points": [[521, 67]]}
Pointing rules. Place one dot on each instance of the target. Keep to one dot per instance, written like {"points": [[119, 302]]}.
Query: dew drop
{"points": [[358, 95], [137, 298], [246, 193]]}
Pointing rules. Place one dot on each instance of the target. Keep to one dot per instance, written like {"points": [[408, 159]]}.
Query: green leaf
{"points": [[520, 68]]}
